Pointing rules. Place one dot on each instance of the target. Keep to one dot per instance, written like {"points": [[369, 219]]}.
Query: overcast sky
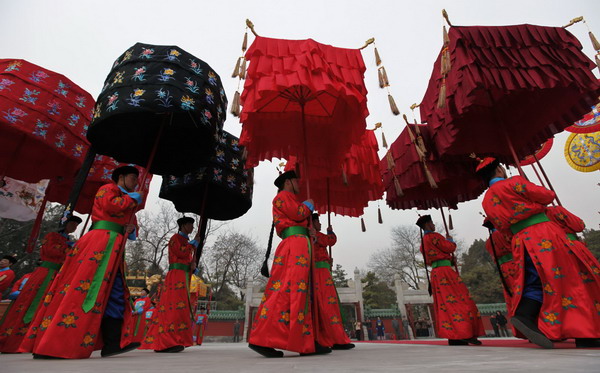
{"points": [[81, 39]]}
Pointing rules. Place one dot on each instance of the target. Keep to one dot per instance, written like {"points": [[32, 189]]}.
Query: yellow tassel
{"points": [[362, 225], [450, 225], [243, 69], [235, 105], [245, 42], [390, 160], [344, 176], [442, 96], [379, 218], [399, 192], [380, 76], [386, 81], [377, 58], [445, 36], [429, 176], [595, 42], [393, 105], [236, 69], [384, 143]]}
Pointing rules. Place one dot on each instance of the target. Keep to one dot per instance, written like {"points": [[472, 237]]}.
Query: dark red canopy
{"points": [[300, 87], [347, 195], [455, 179], [540, 153], [44, 118], [529, 82]]}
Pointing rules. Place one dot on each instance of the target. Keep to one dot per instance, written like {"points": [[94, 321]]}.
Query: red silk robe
{"points": [[23, 309], [173, 310], [284, 318], [456, 315], [62, 328], [6, 279], [327, 307], [21, 282], [201, 323], [571, 288]]}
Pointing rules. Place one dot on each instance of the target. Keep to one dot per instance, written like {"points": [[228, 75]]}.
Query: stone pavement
{"points": [[366, 357]]}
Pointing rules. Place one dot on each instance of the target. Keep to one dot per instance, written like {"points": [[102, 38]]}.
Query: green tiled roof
{"points": [[386, 312], [226, 315], [490, 308]]}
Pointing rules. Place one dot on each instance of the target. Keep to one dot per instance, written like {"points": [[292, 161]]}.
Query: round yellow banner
{"points": [[582, 151]]}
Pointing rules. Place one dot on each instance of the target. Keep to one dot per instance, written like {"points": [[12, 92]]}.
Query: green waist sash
{"points": [[572, 236], [532, 220], [290, 231], [183, 267], [52, 268], [114, 231], [322, 264], [441, 263], [505, 258]]}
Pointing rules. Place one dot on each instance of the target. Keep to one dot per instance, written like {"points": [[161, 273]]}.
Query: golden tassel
{"points": [[386, 81], [429, 176], [377, 58], [235, 105], [384, 143], [236, 69], [595, 42], [344, 176], [393, 105], [399, 192], [245, 42], [362, 225], [450, 225], [598, 60], [380, 76], [243, 69], [379, 218], [442, 96], [390, 160]]}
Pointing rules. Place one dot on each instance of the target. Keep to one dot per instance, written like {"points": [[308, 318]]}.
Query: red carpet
{"points": [[486, 343]]}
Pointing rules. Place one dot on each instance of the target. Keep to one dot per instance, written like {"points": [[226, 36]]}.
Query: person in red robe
{"points": [[88, 306], [557, 293], [173, 330], [22, 311], [140, 307], [330, 331], [18, 286], [7, 276], [456, 315], [284, 319], [201, 323], [498, 245]]}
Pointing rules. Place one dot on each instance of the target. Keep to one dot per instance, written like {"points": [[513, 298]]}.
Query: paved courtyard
{"points": [[366, 357]]}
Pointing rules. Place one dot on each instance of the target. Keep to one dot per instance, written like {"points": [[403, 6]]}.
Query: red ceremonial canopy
{"points": [[523, 82], [540, 153], [44, 118], [407, 184], [100, 174], [348, 192], [589, 123], [302, 97]]}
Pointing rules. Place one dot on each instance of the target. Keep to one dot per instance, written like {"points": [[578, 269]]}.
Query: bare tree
{"points": [[233, 260], [403, 257]]}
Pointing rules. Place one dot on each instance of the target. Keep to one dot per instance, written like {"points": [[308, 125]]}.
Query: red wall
{"points": [[222, 328]]}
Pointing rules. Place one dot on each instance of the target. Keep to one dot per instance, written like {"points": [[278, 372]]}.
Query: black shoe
{"points": [[587, 342], [319, 350], [346, 346], [47, 357], [473, 341], [172, 349], [457, 342], [266, 351], [113, 352], [526, 321]]}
